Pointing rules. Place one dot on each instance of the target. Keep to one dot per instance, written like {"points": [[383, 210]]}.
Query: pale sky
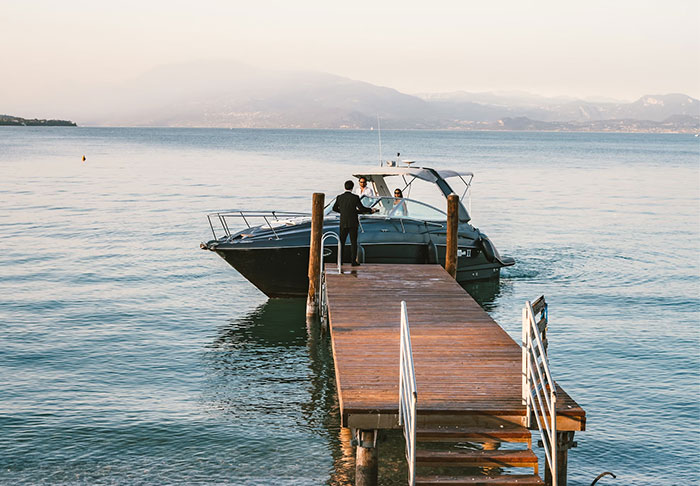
{"points": [[618, 49]]}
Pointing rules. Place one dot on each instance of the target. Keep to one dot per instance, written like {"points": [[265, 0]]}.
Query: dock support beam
{"points": [[565, 441], [452, 222], [315, 253], [366, 463]]}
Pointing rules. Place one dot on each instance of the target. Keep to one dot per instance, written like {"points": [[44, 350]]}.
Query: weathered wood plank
{"points": [[466, 364]]}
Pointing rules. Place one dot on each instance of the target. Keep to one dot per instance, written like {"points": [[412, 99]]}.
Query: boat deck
{"points": [[468, 369]]}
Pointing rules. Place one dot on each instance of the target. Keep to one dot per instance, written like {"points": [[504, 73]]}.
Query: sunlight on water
{"points": [[132, 357]]}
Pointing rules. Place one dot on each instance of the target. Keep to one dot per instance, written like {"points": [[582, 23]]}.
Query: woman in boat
{"points": [[398, 201]]}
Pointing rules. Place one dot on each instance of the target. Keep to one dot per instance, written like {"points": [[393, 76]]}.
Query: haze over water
{"points": [[129, 356]]}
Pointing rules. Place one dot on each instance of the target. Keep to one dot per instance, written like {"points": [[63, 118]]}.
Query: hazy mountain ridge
{"points": [[649, 107], [228, 94]]}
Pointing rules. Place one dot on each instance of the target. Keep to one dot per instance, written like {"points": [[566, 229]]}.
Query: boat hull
{"points": [[282, 271], [274, 256]]}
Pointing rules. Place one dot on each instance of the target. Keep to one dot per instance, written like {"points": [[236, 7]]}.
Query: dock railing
{"points": [[538, 389], [408, 395], [322, 274]]}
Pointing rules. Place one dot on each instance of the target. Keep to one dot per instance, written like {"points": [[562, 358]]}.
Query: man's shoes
{"points": [[355, 264]]}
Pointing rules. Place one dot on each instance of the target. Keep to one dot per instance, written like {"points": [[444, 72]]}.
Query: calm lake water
{"points": [[130, 356]]}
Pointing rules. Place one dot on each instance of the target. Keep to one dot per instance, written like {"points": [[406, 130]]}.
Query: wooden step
{"points": [[474, 434], [474, 458], [505, 480]]}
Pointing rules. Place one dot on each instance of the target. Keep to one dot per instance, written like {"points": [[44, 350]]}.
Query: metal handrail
{"points": [[538, 389], [245, 215], [408, 395], [321, 278]]}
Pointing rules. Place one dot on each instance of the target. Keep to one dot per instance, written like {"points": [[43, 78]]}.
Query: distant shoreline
{"points": [[15, 121], [355, 129], [6, 120]]}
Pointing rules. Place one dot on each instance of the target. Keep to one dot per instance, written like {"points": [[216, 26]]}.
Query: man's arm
{"points": [[336, 208], [361, 208]]}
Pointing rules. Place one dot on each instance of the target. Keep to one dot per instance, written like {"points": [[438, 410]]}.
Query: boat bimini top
{"points": [[409, 174], [429, 175]]}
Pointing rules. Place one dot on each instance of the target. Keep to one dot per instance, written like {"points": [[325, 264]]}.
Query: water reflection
{"points": [[322, 409], [485, 292], [277, 322], [255, 358], [273, 369]]}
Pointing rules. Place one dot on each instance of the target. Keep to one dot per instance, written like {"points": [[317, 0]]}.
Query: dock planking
{"points": [[467, 366]]}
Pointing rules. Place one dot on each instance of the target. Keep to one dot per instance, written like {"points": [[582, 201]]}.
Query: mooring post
{"points": [[565, 441], [452, 221], [315, 252], [366, 463]]}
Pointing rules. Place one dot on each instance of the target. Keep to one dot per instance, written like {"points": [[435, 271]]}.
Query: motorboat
{"points": [[274, 254]]}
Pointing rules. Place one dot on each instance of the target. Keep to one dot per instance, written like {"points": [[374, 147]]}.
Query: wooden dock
{"points": [[468, 369]]}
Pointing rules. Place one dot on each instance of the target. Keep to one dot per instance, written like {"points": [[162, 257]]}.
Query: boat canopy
{"points": [[417, 172], [377, 177]]}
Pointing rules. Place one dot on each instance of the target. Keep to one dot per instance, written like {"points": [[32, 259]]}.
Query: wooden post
{"points": [[565, 441], [366, 464], [315, 252], [452, 223]]}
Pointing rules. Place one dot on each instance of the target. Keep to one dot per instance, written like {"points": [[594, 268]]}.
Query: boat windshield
{"points": [[367, 201], [393, 207]]}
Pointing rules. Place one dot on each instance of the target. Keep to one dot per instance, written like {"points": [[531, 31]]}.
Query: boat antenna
{"points": [[379, 130]]}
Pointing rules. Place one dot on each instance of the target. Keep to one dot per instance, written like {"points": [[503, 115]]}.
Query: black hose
{"points": [[601, 475]]}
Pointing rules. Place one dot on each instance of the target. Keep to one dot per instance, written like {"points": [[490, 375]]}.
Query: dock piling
{"points": [[314, 252], [565, 441], [366, 464], [452, 220]]}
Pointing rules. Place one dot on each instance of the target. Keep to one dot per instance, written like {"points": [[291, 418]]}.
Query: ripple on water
{"points": [[129, 356]]}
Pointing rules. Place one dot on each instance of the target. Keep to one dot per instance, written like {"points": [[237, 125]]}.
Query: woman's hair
{"points": [[399, 191]]}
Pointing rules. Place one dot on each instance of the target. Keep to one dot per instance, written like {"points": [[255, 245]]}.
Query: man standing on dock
{"points": [[349, 207]]}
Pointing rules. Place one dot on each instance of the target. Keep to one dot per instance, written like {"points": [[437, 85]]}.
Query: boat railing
{"points": [[538, 389], [221, 220], [408, 395], [322, 273]]}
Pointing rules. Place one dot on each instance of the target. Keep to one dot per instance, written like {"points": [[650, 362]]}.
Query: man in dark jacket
{"points": [[349, 206]]}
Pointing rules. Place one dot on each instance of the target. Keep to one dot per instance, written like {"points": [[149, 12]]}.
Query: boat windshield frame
{"points": [[402, 208], [389, 210]]}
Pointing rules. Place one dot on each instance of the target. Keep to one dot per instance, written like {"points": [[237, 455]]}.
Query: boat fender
{"points": [[209, 246], [488, 249], [432, 253]]}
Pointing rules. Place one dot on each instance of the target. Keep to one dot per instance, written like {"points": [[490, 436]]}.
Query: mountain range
{"points": [[230, 94]]}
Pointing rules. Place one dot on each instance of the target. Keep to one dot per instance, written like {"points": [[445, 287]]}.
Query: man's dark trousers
{"points": [[344, 232]]}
